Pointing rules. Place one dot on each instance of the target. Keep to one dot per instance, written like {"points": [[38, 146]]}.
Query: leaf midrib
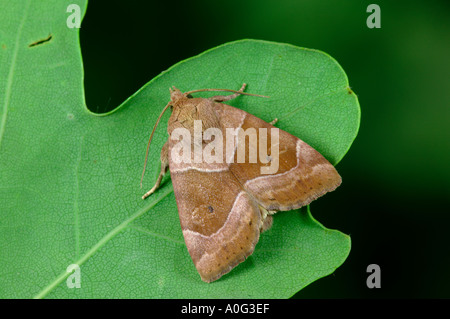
{"points": [[44, 292]]}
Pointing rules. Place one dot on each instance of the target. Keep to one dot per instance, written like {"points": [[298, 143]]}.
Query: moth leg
{"points": [[275, 120], [164, 167], [266, 219], [223, 98]]}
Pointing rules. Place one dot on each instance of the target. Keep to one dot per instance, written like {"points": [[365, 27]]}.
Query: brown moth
{"points": [[225, 204]]}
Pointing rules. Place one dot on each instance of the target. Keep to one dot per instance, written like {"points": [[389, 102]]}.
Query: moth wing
{"points": [[298, 173], [220, 221]]}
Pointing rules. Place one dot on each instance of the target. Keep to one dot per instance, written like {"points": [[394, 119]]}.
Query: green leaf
{"points": [[69, 179]]}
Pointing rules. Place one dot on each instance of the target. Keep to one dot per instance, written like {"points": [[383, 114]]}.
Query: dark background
{"points": [[394, 200]]}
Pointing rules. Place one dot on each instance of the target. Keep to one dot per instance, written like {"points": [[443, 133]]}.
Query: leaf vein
{"points": [[287, 115], [153, 234], [100, 244], [11, 74]]}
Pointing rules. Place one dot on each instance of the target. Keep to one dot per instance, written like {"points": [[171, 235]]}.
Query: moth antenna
{"points": [[151, 137], [226, 90]]}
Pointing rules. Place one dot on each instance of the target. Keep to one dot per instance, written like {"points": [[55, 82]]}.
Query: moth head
{"points": [[175, 94]]}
